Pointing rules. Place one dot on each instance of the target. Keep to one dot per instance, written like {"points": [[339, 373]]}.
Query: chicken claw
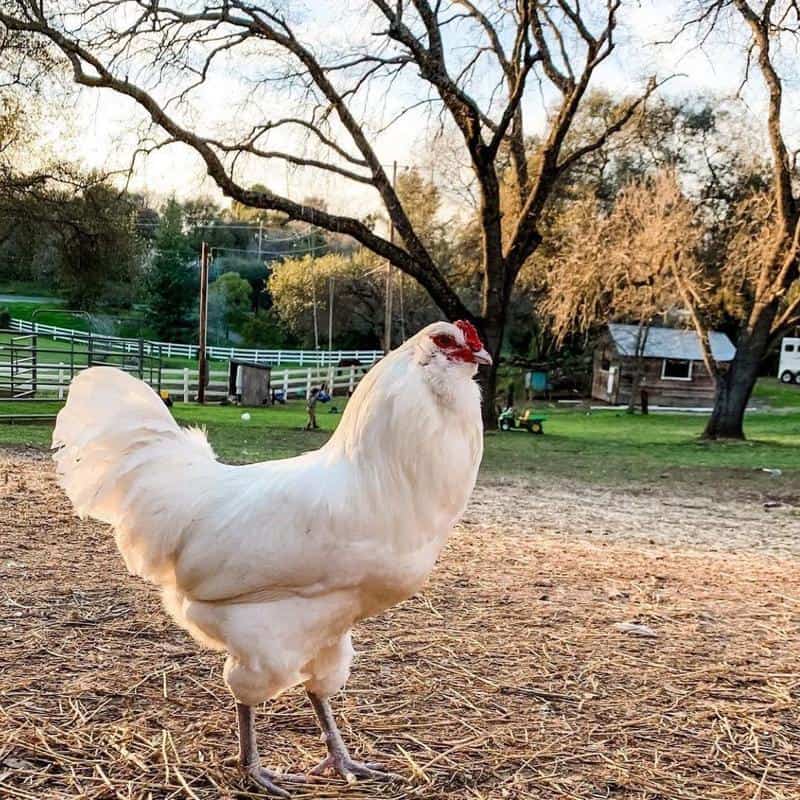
{"points": [[338, 760], [351, 770], [265, 779]]}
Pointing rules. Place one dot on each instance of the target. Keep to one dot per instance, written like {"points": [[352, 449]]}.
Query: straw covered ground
{"points": [[506, 678]]}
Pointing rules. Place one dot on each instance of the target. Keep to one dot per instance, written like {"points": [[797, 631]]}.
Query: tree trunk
{"points": [[487, 376], [638, 374], [735, 386]]}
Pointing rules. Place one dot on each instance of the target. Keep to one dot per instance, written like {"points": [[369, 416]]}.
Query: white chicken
{"points": [[275, 562]]}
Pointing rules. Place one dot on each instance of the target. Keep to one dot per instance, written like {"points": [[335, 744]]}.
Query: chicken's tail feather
{"points": [[121, 458]]}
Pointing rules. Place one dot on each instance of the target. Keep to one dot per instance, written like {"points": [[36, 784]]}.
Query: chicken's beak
{"points": [[481, 356]]}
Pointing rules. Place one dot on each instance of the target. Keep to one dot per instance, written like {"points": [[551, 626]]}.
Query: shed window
{"points": [[605, 364], [789, 348], [676, 370]]}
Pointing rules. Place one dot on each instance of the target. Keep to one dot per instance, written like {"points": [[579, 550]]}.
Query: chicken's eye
{"points": [[444, 340]]}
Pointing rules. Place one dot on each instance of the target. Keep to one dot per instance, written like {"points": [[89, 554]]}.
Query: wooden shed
{"points": [[249, 384], [673, 372]]}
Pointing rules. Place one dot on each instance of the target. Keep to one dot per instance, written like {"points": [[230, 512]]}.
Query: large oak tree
{"points": [[483, 69], [769, 245]]}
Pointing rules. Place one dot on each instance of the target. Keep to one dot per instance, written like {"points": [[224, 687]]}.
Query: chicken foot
{"points": [[249, 760], [338, 759]]}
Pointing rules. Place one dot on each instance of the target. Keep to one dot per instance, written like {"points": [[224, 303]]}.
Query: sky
{"points": [[101, 127]]}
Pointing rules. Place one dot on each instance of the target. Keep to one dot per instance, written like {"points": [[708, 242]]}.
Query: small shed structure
{"points": [[249, 384], [673, 372]]}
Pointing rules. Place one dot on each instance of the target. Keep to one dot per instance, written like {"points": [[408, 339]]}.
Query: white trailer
{"points": [[789, 365]]}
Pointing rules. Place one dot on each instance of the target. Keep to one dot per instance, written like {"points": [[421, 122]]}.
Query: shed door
{"points": [[612, 384]]}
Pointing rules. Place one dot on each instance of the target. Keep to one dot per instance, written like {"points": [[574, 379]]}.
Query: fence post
{"points": [[352, 382], [308, 382], [186, 384], [60, 381], [286, 384]]}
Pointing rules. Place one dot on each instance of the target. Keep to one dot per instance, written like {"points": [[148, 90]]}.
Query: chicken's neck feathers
{"points": [[413, 438]]}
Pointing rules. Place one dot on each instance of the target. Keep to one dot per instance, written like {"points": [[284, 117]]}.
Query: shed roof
{"points": [[670, 343]]}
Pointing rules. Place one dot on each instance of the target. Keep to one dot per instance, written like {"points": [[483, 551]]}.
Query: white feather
{"points": [[274, 562]]}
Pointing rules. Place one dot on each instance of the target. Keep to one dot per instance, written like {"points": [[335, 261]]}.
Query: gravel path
{"points": [[749, 522]]}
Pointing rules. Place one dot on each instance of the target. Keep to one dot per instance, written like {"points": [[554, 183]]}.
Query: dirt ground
{"points": [[506, 678]]}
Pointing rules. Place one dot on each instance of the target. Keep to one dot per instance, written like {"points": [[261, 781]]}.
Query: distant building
{"points": [[673, 370]]}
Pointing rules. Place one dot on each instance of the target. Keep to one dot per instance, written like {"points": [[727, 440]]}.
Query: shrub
{"points": [[263, 330]]}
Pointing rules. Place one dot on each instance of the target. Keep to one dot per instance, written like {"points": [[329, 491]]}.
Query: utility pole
{"points": [[260, 234], [330, 313], [387, 323], [314, 304], [202, 362]]}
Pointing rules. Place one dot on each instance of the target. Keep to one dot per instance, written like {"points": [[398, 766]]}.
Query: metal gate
{"points": [[18, 367], [35, 367]]}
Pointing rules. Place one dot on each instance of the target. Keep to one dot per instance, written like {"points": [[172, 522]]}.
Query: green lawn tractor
{"points": [[509, 421]]}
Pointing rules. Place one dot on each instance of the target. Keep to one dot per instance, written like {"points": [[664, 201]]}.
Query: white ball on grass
{"points": [[246, 416]]}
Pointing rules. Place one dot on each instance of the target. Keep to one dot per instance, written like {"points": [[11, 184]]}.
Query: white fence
{"points": [[169, 349], [294, 383], [182, 383]]}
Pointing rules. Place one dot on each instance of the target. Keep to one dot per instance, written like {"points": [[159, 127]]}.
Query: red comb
{"points": [[470, 334]]}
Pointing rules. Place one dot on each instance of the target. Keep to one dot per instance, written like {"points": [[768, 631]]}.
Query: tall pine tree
{"points": [[172, 280]]}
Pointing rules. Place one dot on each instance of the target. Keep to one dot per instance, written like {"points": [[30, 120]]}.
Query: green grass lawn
{"points": [[46, 314], [771, 392], [604, 447]]}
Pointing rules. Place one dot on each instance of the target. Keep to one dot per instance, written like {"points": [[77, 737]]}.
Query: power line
{"points": [[223, 228], [292, 252]]}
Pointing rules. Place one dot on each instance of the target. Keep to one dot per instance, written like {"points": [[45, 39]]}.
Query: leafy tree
{"points": [[771, 289], [101, 253], [172, 280], [253, 270], [267, 330], [71, 229], [520, 46], [359, 285], [228, 303]]}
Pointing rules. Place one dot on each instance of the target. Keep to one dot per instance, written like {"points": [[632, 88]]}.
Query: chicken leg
{"points": [[249, 760], [338, 759]]}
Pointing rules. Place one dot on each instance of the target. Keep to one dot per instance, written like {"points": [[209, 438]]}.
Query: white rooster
{"points": [[275, 562]]}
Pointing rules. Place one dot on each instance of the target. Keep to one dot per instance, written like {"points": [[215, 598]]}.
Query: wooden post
{"points": [[34, 364], [186, 384], [330, 315], [202, 362]]}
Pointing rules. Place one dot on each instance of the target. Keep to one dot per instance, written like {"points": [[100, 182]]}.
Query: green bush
{"points": [[263, 330]]}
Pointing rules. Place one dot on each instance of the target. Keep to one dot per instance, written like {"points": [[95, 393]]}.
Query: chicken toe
{"points": [[266, 780], [351, 770]]}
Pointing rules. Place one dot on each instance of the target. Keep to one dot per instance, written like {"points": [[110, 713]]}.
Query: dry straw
{"points": [[507, 678]]}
